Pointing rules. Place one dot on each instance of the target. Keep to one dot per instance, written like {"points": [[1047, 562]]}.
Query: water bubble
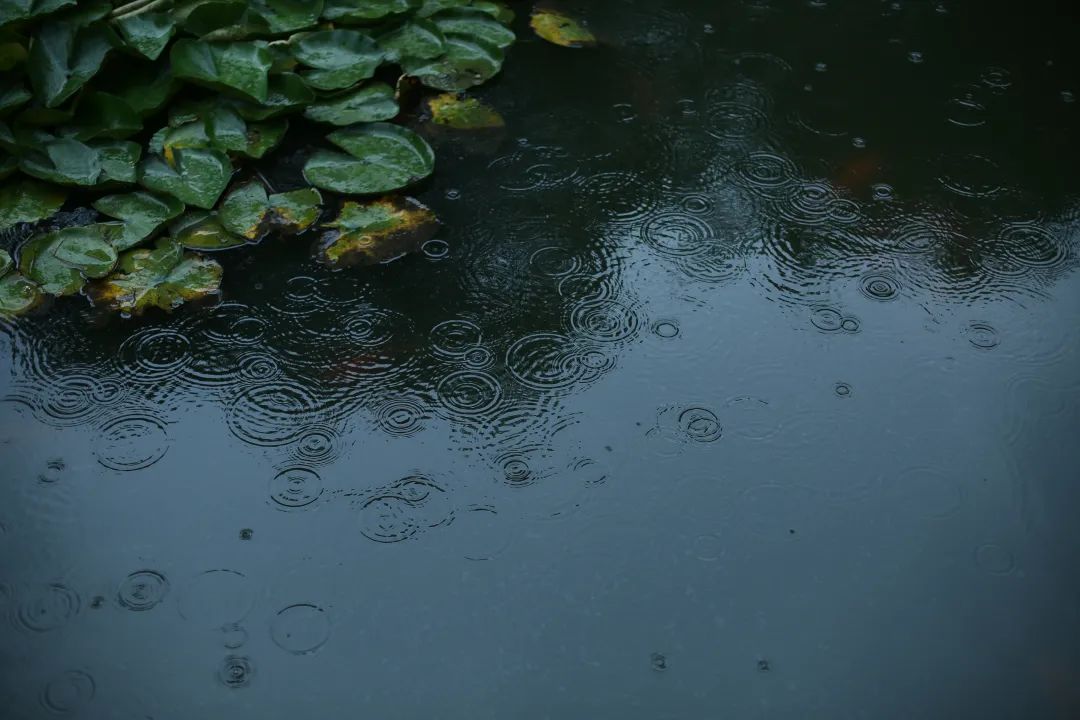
{"points": [[68, 692], [300, 629], [666, 328], [154, 354], [876, 286], [730, 120], [233, 635], [131, 442], [142, 590], [883, 192], [318, 445], [402, 417], [850, 324], [387, 519], [435, 249], [258, 367], [1068, 97], [767, 173], [994, 559], [454, 193], [915, 57], [695, 203], [296, 487], [217, 598], [842, 389], [515, 470], [997, 78], [544, 361], [826, 319], [236, 671], [233, 324], [469, 392], [674, 233], [454, 338], [858, 142], [271, 413], [246, 533], [807, 203], [554, 261], [604, 321], [966, 110], [479, 358], [658, 661], [982, 335], [54, 470], [691, 423], [47, 607], [371, 327]]}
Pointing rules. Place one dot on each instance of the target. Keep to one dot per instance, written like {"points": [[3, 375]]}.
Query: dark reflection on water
{"points": [[748, 356]]}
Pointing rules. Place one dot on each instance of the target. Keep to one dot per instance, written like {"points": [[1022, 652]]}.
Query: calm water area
{"points": [[742, 381]]}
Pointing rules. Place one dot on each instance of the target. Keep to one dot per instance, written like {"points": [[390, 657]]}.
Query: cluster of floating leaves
{"points": [[86, 85]]}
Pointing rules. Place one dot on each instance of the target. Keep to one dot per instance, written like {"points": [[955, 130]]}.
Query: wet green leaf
{"points": [[462, 113], [103, 115], [210, 16], [381, 158], [8, 165], [297, 210], [142, 214], [64, 57], [13, 95], [475, 24], [12, 53], [148, 33], [287, 93], [288, 15], [467, 62], [370, 103], [244, 211], [201, 230], [197, 176], [417, 39], [497, 10], [146, 88], [13, 10], [18, 294], [239, 67], [61, 261], [561, 29], [6, 263], [164, 277], [28, 201], [363, 11], [377, 231], [338, 58], [68, 161]]}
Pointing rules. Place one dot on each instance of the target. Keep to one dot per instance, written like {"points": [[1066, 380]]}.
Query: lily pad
{"points": [[142, 214], [67, 161], [243, 211], [297, 210], [61, 261], [13, 10], [283, 16], [457, 112], [202, 230], [416, 39], [370, 103], [381, 158], [365, 10], [287, 93], [18, 294], [377, 231], [467, 63], [164, 277], [64, 57], [147, 33], [13, 95], [28, 201], [339, 58], [197, 176], [474, 24], [497, 10], [101, 114], [561, 29], [146, 88], [238, 67]]}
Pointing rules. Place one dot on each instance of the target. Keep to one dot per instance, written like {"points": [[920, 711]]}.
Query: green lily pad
{"points": [[238, 67], [28, 201], [8, 165], [339, 58], [370, 103], [363, 11], [377, 231], [467, 63], [12, 53], [381, 158], [209, 16], [147, 33], [561, 29], [462, 113], [61, 261], [283, 16], [201, 230], [164, 277], [18, 294], [142, 214], [145, 88], [13, 10], [497, 10], [68, 161], [474, 24], [64, 57], [13, 95], [297, 210], [243, 212], [196, 177], [101, 114], [417, 39], [6, 263], [287, 93]]}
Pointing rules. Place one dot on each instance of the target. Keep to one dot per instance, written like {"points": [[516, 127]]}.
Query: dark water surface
{"points": [[742, 382]]}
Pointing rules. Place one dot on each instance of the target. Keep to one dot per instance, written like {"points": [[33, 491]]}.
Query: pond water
{"points": [[742, 381]]}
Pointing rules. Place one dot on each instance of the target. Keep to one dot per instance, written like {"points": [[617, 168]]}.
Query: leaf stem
{"points": [[136, 7]]}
